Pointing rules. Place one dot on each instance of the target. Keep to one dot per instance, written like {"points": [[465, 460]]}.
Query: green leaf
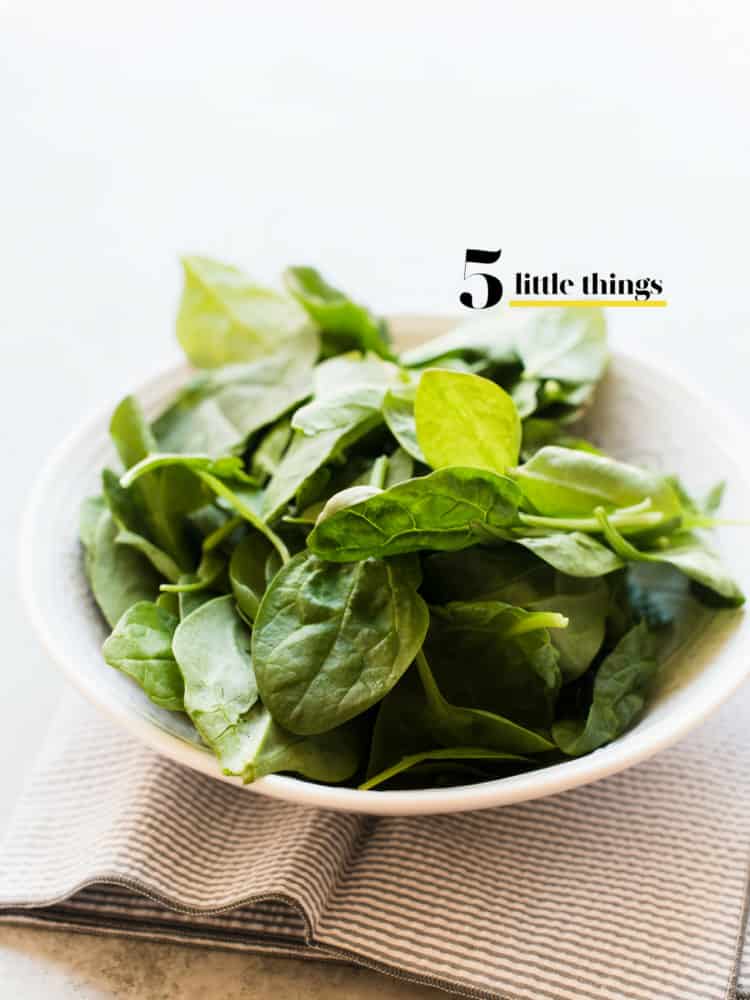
{"points": [[466, 420], [130, 432], [330, 640], [224, 477], [119, 576], [398, 411], [91, 510], [508, 663], [258, 746], [247, 573], [507, 573], [586, 611], [486, 340], [562, 482], [324, 429], [212, 648], [415, 717], [224, 318], [158, 506], [268, 455], [619, 695], [713, 499], [162, 563], [569, 344], [218, 411], [400, 468], [141, 647], [353, 370], [687, 554], [190, 600], [345, 325], [574, 553], [128, 509], [449, 509]]}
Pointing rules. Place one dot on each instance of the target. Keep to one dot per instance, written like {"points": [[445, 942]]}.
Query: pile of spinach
{"points": [[398, 571]]}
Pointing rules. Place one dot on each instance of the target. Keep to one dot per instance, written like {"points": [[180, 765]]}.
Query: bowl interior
{"points": [[640, 414]]}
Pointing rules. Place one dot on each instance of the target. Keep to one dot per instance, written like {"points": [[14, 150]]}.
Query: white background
{"points": [[377, 141]]}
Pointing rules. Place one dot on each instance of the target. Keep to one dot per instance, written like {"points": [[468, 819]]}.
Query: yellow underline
{"points": [[578, 303]]}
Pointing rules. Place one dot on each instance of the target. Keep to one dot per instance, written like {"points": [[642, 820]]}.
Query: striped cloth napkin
{"points": [[634, 887]]}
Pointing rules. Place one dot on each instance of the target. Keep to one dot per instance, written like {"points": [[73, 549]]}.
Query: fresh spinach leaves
{"points": [[330, 640], [389, 570]]}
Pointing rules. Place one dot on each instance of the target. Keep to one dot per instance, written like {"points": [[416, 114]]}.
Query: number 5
{"points": [[494, 285]]}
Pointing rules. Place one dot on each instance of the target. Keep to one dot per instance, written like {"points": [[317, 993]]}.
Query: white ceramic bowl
{"points": [[641, 414]]}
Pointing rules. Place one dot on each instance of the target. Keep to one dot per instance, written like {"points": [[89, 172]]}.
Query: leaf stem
{"points": [[537, 620], [217, 537], [246, 511], [622, 519], [379, 472]]}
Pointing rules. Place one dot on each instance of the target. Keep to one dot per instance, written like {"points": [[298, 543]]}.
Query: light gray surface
{"points": [[379, 145]]}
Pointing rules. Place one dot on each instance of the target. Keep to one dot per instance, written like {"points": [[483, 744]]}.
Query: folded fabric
{"points": [[634, 887]]}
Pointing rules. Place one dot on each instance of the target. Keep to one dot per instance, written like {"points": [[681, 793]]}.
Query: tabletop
{"points": [[376, 142]]}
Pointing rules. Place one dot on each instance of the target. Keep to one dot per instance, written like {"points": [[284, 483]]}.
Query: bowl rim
{"points": [[556, 778]]}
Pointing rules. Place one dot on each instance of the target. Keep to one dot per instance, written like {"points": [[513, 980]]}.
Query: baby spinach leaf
{"points": [[400, 468], [569, 344], [448, 753], [324, 429], [574, 553], [586, 611], [128, 509], [258, 745], [190, 600], [688, 554], [562, 482], [141, 647], [119, 576], [486, 340], [466, 420], [524, 394], [514, 576], [508, 663], [267, 456], [398, 411], [212, 648], [356, 369], [449, 509], [330, 640], [91, 510], [344, 324], [712, 500], [130, 432], [157, 507], [619, 695], [415, 717], [218, 411], [225, 318], [247, 573], [507, 573], [225, 478], [162, 563]]}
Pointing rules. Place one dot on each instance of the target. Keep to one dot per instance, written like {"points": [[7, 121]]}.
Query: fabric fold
{"points": [[633, 887]]}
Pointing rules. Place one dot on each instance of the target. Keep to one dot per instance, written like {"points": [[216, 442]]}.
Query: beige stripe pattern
{"points": [[634, 887]]}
